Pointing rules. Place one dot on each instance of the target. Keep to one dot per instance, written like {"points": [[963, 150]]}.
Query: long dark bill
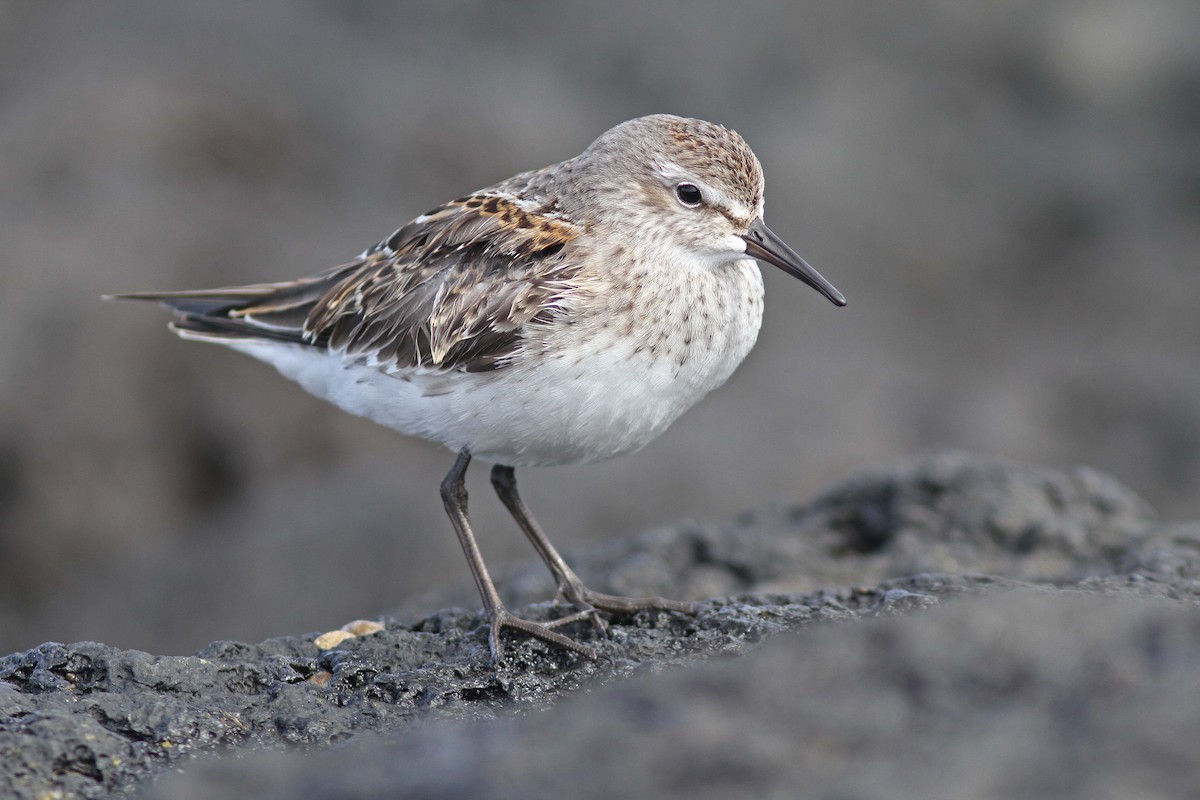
{"points": [[764, 245]]}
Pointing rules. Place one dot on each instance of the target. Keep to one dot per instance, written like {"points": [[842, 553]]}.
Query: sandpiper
{"points": [[568, 314]]}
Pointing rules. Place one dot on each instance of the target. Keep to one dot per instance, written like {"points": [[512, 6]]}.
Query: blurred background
{"points": [[1008, 193]]}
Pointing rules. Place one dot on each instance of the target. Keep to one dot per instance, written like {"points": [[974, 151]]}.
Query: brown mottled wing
{"points": [[450, 290]]}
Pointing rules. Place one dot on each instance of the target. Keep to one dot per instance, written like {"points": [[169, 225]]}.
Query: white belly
{"points": [[585, 392]]}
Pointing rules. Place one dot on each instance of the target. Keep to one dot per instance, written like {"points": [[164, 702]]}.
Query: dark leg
{"points": [[454, 495], [504, 481]]}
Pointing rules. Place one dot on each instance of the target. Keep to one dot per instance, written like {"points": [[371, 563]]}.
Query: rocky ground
{"points": [[997, 631]]}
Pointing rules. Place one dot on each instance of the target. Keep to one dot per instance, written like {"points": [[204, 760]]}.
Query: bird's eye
{"points": [[689, 194]]}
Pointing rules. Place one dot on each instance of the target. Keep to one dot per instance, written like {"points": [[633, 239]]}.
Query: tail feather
{"points": [[270, 311], [194, 326]]}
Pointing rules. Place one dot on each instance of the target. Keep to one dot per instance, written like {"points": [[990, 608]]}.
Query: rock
{"points": [[1026, 694], [1006, 613], [97, 719]]}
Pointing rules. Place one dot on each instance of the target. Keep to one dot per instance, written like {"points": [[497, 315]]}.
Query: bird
{"points": [[565, 315]]}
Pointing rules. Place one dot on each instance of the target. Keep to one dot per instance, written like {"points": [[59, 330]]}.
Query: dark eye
{"points": [[689, 194]]}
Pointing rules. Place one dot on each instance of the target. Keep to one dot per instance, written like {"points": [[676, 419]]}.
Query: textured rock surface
{"points": [[993, 661], [1047, 695]]}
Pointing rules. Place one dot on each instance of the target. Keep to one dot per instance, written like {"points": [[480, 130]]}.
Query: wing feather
{"points": [[455, 288]]}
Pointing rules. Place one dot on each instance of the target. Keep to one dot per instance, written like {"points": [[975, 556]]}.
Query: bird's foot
{"points": [[627, 605], [501, 619], [590, 603]]}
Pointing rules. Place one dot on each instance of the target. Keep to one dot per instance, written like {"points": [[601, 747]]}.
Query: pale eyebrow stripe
{"points": [[733, 209]]}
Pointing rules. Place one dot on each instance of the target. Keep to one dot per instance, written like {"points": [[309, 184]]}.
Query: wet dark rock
{"points": [[1025, 694], [936, 625]]}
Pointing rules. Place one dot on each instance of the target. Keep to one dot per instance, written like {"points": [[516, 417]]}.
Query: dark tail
{"points": [[272, 311]]}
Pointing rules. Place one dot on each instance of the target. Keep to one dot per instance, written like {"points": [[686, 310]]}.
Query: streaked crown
{"points": [[663, 150]]}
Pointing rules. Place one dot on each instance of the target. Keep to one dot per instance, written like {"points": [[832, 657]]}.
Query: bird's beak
{"points": [[764, 245]]}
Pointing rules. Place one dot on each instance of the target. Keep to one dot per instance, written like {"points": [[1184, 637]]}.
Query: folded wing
{"points": [[454, 289]]}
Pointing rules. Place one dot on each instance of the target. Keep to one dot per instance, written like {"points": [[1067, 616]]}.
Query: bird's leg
{"points": [[504, 481], [454, 495]]}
